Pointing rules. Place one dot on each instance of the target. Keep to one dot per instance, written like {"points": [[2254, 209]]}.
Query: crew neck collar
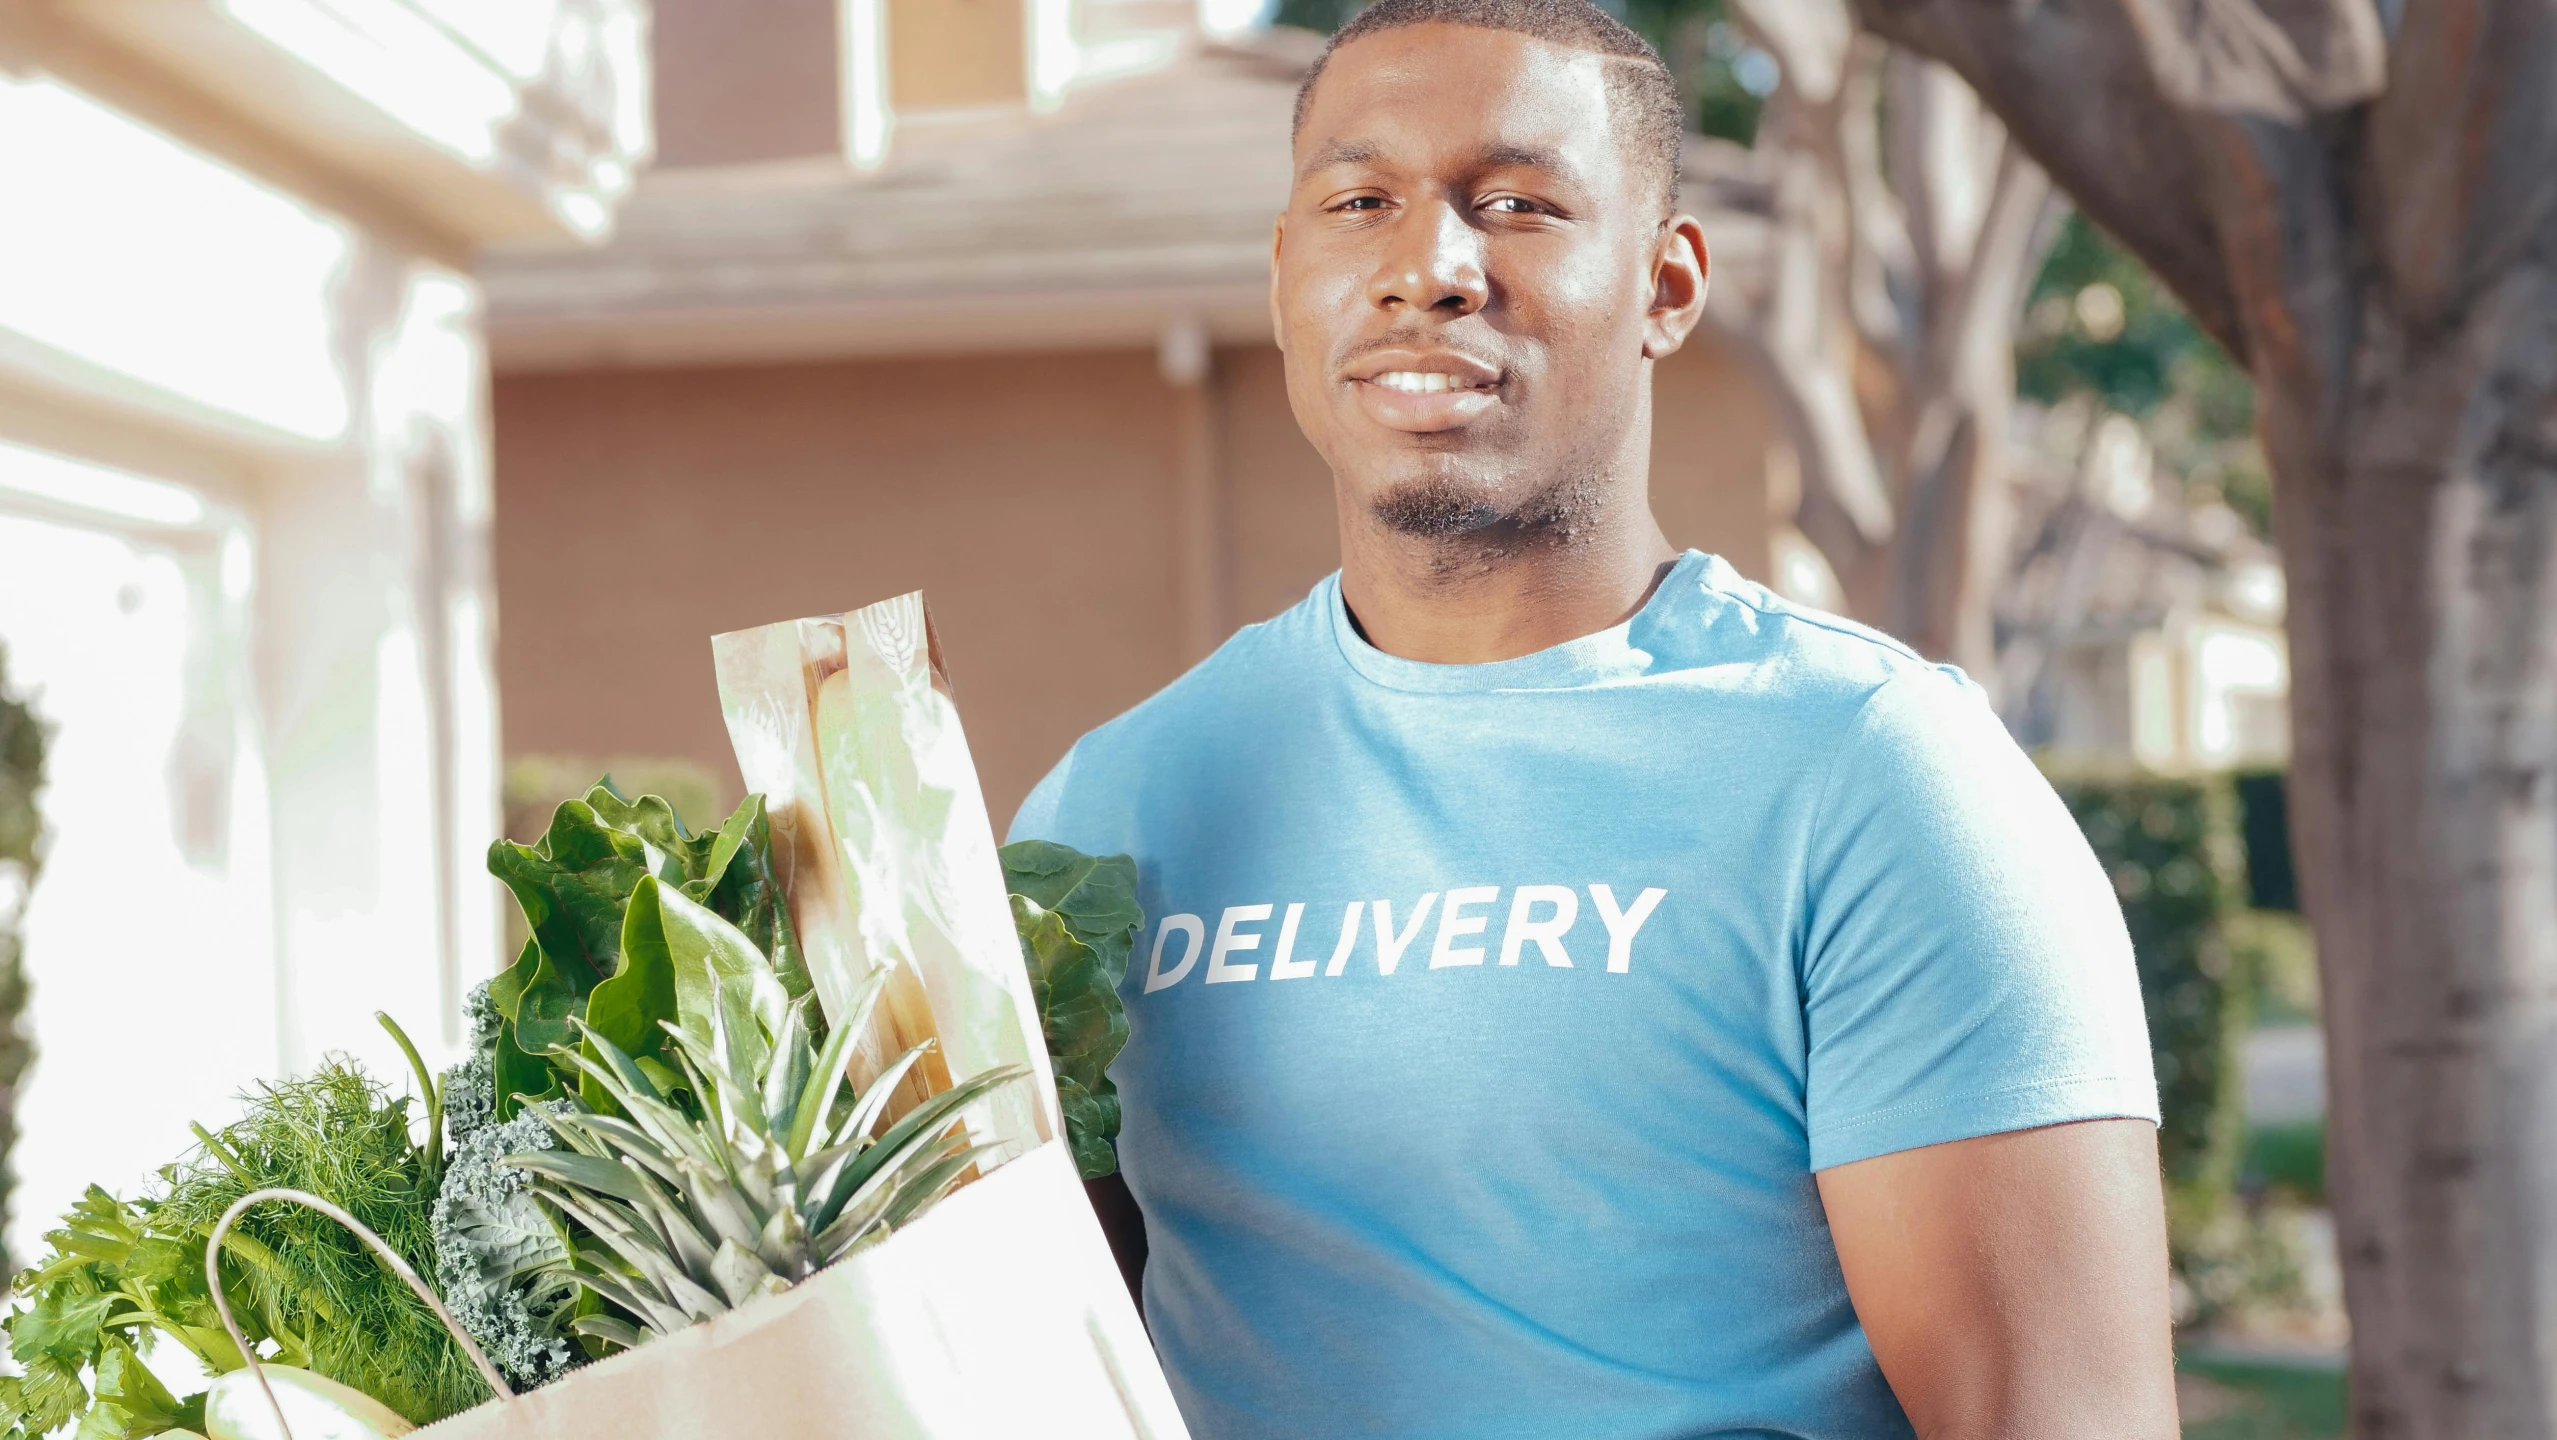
{"points": [[1612, 653]]}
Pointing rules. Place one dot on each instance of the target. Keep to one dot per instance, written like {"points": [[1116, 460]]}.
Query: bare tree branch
{"points": [[2458, 148], [1809, 38], [2240, 57], [2056, 72], [1878, 251]]}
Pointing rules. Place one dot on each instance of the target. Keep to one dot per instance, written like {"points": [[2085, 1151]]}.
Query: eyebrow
{"points": [[1338, 152], [1492, 157], [1498, 157]]}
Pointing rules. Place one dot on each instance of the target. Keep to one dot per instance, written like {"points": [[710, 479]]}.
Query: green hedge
{"points": [[2174, 849], [2171, 845], [22, 744]]}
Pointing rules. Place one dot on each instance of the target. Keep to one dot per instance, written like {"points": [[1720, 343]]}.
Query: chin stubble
{"points": [[1467, 534]]}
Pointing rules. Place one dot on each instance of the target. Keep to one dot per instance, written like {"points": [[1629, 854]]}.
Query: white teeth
{"points": [[1417, 382]]}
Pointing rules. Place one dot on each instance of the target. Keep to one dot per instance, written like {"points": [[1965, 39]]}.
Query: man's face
{"points": [[1467, 281]]}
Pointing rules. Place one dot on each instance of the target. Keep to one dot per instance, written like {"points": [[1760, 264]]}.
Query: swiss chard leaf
{"points": [[550, 1003], [1094, 894], [740, 884], [1085, 1024], [1091, 1124], [576, 888], [519, 1074], [629, 1008], [572, 887], [702, 954]]}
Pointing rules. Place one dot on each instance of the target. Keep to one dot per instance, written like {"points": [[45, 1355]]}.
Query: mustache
{"points": [[1412, 339]]}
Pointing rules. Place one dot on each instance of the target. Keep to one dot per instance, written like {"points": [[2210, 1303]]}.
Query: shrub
{"points": [[2172, 846], [22, 745]]}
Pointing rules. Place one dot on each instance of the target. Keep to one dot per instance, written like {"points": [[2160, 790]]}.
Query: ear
{"points": [[1680, 272], [1278, 243]]}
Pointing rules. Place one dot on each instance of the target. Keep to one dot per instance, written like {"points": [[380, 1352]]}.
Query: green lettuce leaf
{"points": [[1094, 894], [1078, 918], [576, 888], [1085, 1024]]}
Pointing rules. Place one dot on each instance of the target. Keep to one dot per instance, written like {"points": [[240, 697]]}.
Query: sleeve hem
{"points": [[2016, 1107]]}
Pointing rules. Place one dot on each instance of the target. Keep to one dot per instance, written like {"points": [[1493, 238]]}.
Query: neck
{"points": [[1471, 599]]}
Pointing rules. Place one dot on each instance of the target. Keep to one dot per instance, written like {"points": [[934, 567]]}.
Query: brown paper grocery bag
{"points": [[979, 1321], [845, 724], [1000, 1313]]}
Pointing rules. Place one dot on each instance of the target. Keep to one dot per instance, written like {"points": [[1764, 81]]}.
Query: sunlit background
{"points": [[396, 394]]}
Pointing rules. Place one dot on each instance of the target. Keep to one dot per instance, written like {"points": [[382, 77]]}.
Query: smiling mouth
{"points": [[1424, 382]]}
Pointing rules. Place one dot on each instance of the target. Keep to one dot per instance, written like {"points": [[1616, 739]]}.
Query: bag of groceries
{"points": [[990, 1317], [760, 1135]]}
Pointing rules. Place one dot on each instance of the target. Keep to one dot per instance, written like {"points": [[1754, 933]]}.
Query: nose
{"points": [[1433, 263]]}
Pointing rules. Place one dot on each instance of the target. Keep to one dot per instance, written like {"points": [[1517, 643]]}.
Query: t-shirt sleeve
{"points": [[1965, 970]]}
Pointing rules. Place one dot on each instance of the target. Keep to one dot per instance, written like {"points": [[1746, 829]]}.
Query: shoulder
{"points": [[1808, 665]]}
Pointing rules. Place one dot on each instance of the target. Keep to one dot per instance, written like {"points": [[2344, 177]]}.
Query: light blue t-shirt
{"points": [[1491, 1020]]}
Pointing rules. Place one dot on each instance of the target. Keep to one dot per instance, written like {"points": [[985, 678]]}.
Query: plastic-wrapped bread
{"points": [[846, 725]]}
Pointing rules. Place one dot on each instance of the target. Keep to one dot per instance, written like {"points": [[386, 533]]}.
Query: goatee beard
{"points": [[1468, 532]]}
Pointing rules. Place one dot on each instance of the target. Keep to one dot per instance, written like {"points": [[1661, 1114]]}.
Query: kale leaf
{"points": [[1077, 917]]}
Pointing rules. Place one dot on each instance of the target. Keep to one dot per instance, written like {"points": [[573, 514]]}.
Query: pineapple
{"points": [[692, 1217]]}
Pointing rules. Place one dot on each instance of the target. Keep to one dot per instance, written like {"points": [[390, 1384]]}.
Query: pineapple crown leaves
{"points": [[690, 1217]]}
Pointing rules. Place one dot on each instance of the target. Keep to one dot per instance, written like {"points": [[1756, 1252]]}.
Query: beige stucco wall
{"points": [[1032, 497], [745, 80]]}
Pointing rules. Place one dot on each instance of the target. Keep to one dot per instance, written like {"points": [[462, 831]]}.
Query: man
{"points": [[1587, 996]]}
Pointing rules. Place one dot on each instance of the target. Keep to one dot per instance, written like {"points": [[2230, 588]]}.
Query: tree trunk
{"points": [[2359, 197], [2418, 518]]}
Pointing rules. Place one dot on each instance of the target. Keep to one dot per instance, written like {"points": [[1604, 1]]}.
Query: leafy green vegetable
{"points": [[576, 888], [107, 1283], [493, 1248], [634, 918], [330, 1305], [1077, 916], [120, 1274], [1095, 895]]}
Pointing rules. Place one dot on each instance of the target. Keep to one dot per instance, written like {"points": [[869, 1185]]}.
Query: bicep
{"points": [[2015, 1284]]}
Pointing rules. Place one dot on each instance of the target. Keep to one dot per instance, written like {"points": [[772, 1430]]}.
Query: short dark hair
{"points": [[1642, 97]]}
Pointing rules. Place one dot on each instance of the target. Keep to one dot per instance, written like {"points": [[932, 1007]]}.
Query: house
{"points": [[2143, 618], [244, 511], [956, 295]]}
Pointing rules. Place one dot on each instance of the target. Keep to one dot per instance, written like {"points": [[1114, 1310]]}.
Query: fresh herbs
{"points": [[109, 1282], [1077, 916], [306, 1293], [328, 1303]]}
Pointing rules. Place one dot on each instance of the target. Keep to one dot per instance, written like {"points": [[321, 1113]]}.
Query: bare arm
{"points": [[2015, 1285], [1124, 1225]]}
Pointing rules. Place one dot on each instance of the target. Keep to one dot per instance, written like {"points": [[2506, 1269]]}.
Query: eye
{"points": [[1513, 205], [1362, 202]]}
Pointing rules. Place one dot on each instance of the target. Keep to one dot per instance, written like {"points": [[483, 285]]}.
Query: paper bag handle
{"points": [[380, 1247]]}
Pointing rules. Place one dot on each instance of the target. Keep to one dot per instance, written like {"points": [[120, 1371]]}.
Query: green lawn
{"points": [[2261, 1402]]}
